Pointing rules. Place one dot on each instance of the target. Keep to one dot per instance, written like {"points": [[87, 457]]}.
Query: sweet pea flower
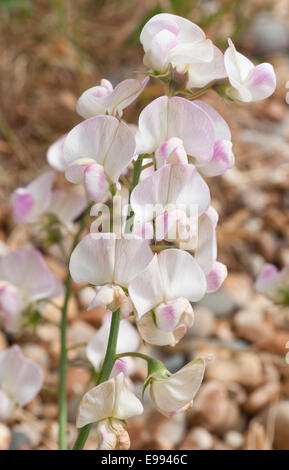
{"points": [[274, 284], [161, 294], [177, 130], [249, 82], [109, 400], [109, 264], [104, 99], [206, 251], [31, 202], [112, 435], [128, 340], [24, 280], [174, 393], [96, 152], [38, 199], [20, 380], [169, 39], [201, 74]]}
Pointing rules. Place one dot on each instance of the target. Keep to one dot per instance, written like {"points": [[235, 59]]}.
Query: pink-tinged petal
{"points": [[193, 53], [171, 151], [216, 277], [185, 30], [67, 205], [206, 252], [20, 377], [261, 81], [128, 340], [6, 405], [144, 230], [34, 199], [181, 275], [92, 101], [55, 155], [155, 25], [105, 140], [26, 269], [22, 202], [222, 130], [10, 300], [132, 255], [124, 94], [269, 282], [146, 290], [201, 74], [95, 183], [223, 159], [161, 45], [168, 314], [93, 259]]}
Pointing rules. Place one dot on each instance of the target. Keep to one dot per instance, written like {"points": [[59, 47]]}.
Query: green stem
{"points": [[105, 372], [133, 354], [62, 405], [135, 179]]}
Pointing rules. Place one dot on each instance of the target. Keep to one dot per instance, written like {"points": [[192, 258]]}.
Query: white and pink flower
{"points": [[24, 280], [104, 99], [274, 284], [162, 293], [249, 82], [20, 380], [109, 264]]}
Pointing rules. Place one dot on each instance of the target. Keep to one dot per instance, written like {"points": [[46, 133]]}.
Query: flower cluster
{"points": [[165, 258]]}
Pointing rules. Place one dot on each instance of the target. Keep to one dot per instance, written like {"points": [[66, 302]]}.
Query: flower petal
{"points": [[55, 155], [95, 183], [67, 205], [216, 277], [124, 94], [181, 275], [201, 74], [20, 377]]}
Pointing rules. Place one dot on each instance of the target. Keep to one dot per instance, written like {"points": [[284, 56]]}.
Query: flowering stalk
{"points": [[104, 373], [62, 405]]}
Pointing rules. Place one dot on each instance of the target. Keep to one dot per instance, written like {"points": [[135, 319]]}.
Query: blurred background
{"points": [[50, 53]]}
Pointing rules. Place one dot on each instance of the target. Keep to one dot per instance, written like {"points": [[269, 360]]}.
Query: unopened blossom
{"points": [[206, 250], [109, 400], [162, 293], [109, 264], [104, 99], [96, 152], [176, 130], [274, 284], [173, 393], [20, 380], [249, 82], [24, 280], [128, 340], [171, 40], [32, 203]]}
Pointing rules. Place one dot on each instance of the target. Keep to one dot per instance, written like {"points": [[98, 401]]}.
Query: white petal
{"points": [[193, 53], [132, 255], [177, 391], [181, 275], [261, 81], [97, 404], [93, 259], [146, 290], [216, 277], [67, 205], [222, 130], [151, 334], [95, 183], [161, 45], [223, 159], [124, 94], [126, 403], [206, 252], [201, 74], [91, 102], [55, 156]]}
